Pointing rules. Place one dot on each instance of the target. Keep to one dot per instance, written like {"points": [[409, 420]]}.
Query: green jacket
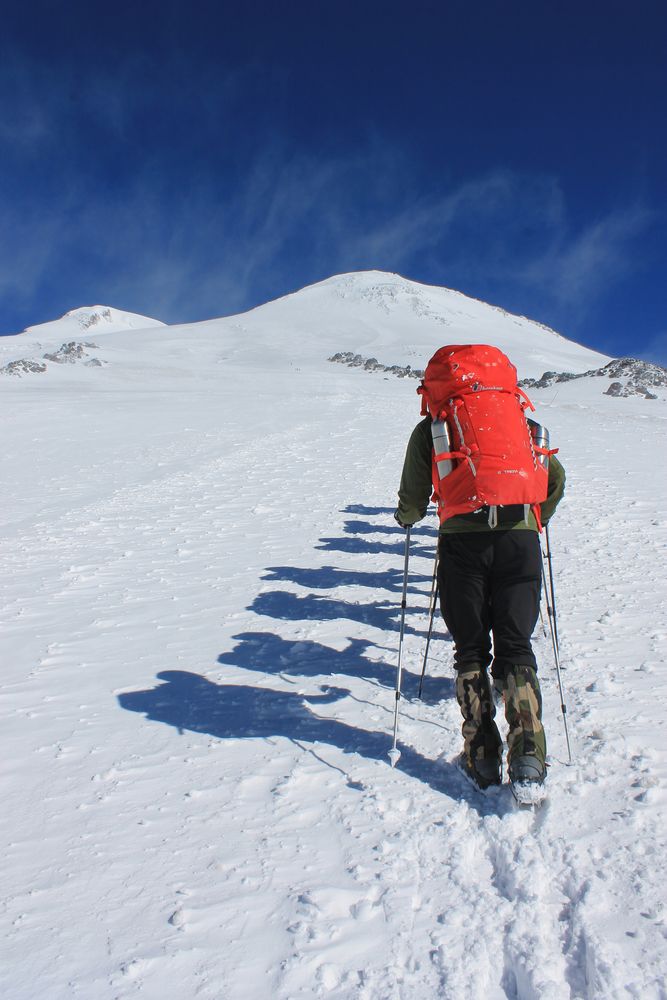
{"points": [[416, 485]]}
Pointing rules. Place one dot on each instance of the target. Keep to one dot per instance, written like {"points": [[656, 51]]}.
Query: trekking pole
{"points": [[432, 604], [544, 628], [551, 613], [551, 584], [395, 753]]}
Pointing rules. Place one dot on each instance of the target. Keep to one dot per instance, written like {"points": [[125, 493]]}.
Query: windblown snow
{"points": [[200, 592]]}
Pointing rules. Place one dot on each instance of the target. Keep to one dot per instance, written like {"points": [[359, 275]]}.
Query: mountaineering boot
{"points": [[526, 740], [481, 757], [527, 768]]}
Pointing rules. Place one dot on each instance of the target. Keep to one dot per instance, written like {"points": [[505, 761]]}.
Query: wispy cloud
{"points": [[515, 230], [576, 267], [152, 230]]}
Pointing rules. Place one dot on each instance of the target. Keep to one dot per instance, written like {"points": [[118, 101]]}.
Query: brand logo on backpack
{"points": [[483, 450]]}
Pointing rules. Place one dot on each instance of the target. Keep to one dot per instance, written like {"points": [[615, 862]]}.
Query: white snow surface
{"points": [[200, 588]]}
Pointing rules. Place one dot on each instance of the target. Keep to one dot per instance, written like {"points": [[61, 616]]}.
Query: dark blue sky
{"points": [[190, 160]]}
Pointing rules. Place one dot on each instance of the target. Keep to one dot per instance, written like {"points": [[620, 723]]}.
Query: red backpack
{"points": [[484, 454]]}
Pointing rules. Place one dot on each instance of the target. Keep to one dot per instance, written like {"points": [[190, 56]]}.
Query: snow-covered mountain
{"points": [[200, 580], [86, 320], [370, 312]]}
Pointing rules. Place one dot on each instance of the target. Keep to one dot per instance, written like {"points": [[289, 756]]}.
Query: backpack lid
{"points": [[460, 368]]}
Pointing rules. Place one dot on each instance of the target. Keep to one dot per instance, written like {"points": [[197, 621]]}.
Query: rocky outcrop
{"points": [[70, 353], [632, 376], [67, 354], [373, 365], [23, 367]]}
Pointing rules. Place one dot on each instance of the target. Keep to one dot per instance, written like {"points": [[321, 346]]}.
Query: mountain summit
{"points": [[88, 320], [370, 313]]}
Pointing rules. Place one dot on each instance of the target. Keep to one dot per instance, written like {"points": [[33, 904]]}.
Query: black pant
{"points": [[490, 581]]}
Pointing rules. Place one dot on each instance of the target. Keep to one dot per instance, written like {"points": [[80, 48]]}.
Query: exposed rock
{"points": [[373, 365], [85, 322], [68, 354], [637, 375], [618, 389], [23, 367]]}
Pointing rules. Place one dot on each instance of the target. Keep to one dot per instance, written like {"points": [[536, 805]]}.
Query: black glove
{"points": [[398, 520]]}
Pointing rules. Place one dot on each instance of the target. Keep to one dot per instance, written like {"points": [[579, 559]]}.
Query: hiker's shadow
{"points": [[359, 545], [364, 511], [383, 615], [368, 528], [189, 702], [354, 540], [268, 653], [330, 577]]}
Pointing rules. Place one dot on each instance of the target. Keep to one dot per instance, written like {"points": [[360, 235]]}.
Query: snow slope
{"points": [[200, 595]]}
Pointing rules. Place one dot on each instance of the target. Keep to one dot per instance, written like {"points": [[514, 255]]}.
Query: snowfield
{"points": [[200, 594]]}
